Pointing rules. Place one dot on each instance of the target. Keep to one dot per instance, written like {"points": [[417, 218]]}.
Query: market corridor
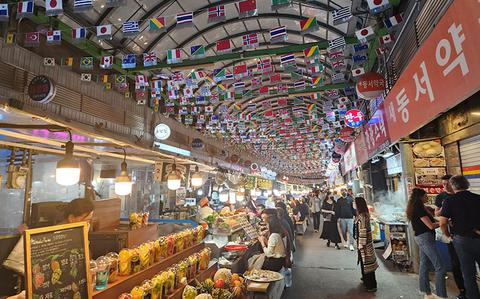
{"points": [[326, 273]]}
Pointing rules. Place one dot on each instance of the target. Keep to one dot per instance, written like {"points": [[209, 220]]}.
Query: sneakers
{"points": [[336, 246], [316, 230], [345, 245], [351, 248]]}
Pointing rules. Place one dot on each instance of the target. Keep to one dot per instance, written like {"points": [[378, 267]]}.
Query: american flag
{"points": [[250, 39]]}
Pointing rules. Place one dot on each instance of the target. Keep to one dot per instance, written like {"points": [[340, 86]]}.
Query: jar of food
{"points": [[124, 262], [144, 252], [204, 258], [157, 289], [147, 286], [151, 247], [163, 278], [192, 264], [135, 264], [170, 283], [170, 245], [181, 274], [125, 296], [113, 259], [103, 272], [157, 251], [163, 247], [137, 293], [93, 274], [179, 242]]}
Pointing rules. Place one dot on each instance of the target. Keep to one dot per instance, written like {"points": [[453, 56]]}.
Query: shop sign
{"points": [[349, 158], [443, 72], [55, 257], [157, 172], [361, 149], [41, 89], [197, 143], [375, 133], [264, 184], [162, 131], [394, 164], [250, 183], [354, 118], [370, 85]]}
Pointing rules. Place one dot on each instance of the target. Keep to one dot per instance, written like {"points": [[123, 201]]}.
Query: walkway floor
{"points": [[327, 273]]}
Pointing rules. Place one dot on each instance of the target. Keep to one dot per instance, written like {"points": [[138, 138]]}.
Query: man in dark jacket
{"points": [[345, 212]]}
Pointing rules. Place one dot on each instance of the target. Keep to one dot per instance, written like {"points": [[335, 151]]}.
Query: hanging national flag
{"points": [[359, 59], [228, 77], [223, 46], [299, 84], [79, 33], [377, 6], [82, 5], [216, 14], [238, 85], [336, 77], [86, 63], [141, 81], [67, 61], [229, 96], [317, 81], [338, 64], [86, 77], [173, 94], [184, 19], [106, 62], [24, 9], [276, 78], [380, 51], [341, 15], [250, 40], [287, 59], [174, 56], [264, 65], [360, 48], [278, 4], [197, 51], [156, 24], [10, 37], [311, 52], [247, 8], [308, 25], [240, 71], [54, 37], [336, 43], [129, 61], [316, 69], [364, 34], [53, 7], [49, 61], [104, 32], [393, 21], [4, 14], [386, 39], [130, 28], [358, 71], [32, 39], [157, 85], [278, 35], [257, 81], [149, 59], [197, 76], [336, 54]]}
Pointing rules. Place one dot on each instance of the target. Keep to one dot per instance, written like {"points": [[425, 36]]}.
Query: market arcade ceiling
{"points": [[271, 77]]}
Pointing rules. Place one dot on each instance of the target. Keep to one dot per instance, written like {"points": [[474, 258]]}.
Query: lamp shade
{"points": [[123, 183], [197, 178], [68, 169], [173, 181]]}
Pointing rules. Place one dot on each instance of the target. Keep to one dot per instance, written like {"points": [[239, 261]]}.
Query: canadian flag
{"points": [[386, 39], [107, 62], [141, 80]]}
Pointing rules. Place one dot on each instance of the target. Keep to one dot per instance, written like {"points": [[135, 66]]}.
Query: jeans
{"points": [[346, 225], [468, 250], [316, 220], [456, 268], [429, 256]]}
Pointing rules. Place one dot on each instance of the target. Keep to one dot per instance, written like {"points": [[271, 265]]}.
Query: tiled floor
{"points": [[327, 273]]}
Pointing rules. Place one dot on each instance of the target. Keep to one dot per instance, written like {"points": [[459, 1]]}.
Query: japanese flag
{"points": [[364, 34]]}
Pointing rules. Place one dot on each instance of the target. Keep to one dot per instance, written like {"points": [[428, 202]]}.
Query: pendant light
{"points": [[174, 180], [197, 178], [123, 182], [67, 172]]}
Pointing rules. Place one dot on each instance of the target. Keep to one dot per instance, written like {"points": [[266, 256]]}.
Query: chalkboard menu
{"points": [[57, 262]]}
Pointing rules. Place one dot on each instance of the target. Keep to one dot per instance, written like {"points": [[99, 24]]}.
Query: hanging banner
{"points": [[361, 149], [375, 133], [443, 72], [349, 158]]}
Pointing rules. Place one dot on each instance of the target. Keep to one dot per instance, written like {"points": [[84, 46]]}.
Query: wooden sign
{"points": [[57, 262]]}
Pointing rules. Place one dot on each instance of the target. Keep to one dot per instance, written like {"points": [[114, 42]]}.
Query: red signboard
{"points": [[361, 149], [376, 132], [443, 72]]}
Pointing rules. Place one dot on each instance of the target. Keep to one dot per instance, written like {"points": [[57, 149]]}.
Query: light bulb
{"points": [[174, 181], [197, 179], [123, 183], [67, 172], [199, 192], [242, 190]]}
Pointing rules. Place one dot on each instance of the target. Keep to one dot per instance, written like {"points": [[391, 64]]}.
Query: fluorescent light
{"points": [[172, 149]]}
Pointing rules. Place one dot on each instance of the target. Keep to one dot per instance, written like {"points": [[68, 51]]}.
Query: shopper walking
{"points": [[440, 200], [345, 214], [463, 210], [424, 226], [366, 251], [316, 209], [330, 229]]}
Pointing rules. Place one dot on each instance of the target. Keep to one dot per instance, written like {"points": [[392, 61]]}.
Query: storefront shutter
{"points": [[470, 157]]}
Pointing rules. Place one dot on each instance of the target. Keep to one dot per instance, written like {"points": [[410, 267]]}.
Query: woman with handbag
{"points": [[330, 228]]}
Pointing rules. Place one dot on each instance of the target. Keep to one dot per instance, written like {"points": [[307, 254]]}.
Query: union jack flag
{"points": [[149, 59], [177, 76]]}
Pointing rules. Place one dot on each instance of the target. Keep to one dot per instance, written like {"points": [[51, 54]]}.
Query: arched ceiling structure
{"points": [[276, 143]]}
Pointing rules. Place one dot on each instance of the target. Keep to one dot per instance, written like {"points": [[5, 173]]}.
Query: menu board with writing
{"points": [[57, 262]]}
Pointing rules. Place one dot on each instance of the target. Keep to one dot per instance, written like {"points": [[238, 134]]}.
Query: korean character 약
{"points": [[443, 51], [424, 80], [402, 101]]}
